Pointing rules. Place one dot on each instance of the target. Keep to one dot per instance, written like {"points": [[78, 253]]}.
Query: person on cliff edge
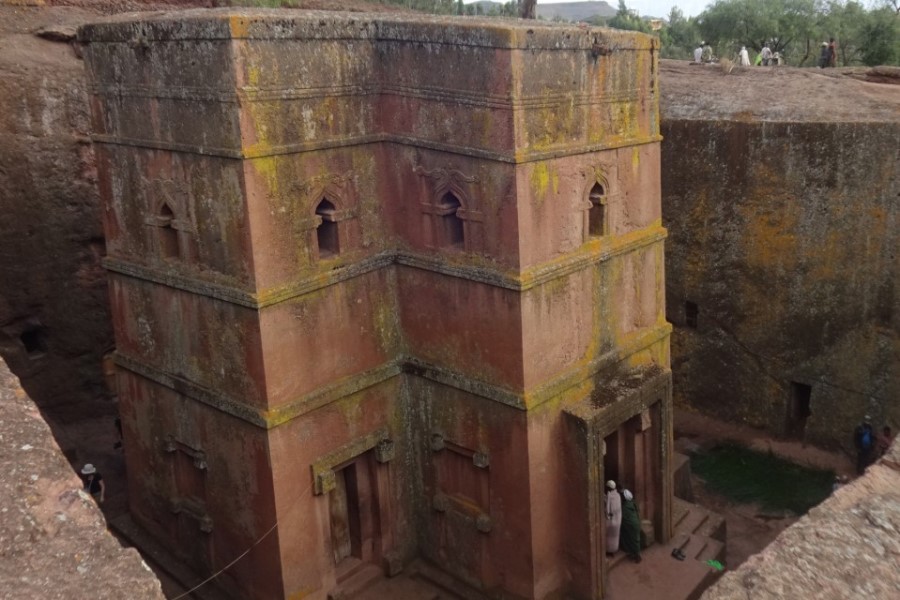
{"points": [[864, 441], [93, 482]]}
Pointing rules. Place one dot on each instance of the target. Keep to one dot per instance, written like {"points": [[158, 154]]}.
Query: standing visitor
{"points": [[864, 440], [707, 53], [832, 53], [766, 55], [745, 58], [613, 517], [823, 56], [630, 539], [93, 482], [698, 53]]}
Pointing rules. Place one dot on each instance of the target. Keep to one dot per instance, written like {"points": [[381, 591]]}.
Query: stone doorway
{"points": [[352, 514], [632, 460]]}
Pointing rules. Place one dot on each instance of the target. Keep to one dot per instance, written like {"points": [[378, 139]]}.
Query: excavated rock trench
{"points": [[54, 316]]}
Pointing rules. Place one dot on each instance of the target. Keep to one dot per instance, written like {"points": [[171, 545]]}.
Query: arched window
{"points": [[450, 229], [597, 212], [168, 235], [327, 230]]}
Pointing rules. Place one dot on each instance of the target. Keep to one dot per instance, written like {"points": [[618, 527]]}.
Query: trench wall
{"points": [[784, 238]]}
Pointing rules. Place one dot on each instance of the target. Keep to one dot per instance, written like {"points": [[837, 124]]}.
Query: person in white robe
{"points": [[613, 505]]}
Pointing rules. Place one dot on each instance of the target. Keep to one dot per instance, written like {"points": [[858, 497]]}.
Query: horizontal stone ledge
{"points": [[521, 156], [353, 384], [594, 253], [455, 97]]}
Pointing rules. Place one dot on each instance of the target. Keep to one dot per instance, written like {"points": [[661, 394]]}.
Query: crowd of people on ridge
{"points": [[766, 57]]}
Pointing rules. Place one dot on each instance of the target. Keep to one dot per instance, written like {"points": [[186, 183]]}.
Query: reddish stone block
{"points": [[390, 284]]}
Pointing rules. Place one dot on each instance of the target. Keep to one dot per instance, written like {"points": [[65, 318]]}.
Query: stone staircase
{"points": [[699, 533], [354, 576]]}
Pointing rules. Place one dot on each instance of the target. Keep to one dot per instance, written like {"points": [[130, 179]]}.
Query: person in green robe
{"points": [[630, 536]]}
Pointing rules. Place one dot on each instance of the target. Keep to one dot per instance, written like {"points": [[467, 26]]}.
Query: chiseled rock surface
{"points": [[53, 538], [847, 547]]}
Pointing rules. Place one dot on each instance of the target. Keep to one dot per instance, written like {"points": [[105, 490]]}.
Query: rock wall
{"points": [[54, 313], [53, 538], [782, 270]]}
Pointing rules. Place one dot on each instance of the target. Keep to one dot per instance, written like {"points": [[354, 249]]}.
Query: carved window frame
{"points": [[177, 220], [589, 203], [445, 181], [336, 190]]}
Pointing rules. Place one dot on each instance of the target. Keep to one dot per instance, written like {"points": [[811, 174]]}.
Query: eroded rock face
{"points": [[781, 262], [54, 313], [847, 547], [53, 537]]}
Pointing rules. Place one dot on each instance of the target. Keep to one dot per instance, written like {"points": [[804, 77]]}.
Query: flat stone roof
{"points": [[231, 23]]}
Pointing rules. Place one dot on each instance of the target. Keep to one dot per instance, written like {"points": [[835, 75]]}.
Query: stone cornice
{"points": [[590, 254], [271, 418], [517, 157]]}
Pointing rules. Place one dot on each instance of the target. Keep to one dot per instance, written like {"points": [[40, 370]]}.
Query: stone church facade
{"points": [[384, 288]]}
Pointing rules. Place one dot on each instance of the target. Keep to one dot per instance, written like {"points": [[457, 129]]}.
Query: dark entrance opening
{"points": [[691, 311], [611, 460], [344, 508], [355, 517], [35, 342], [798, 409]]}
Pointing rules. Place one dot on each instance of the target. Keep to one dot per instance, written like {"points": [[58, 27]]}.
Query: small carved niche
{"points": [[169, 246], [327, 235], [450, 230], [597, 211]]}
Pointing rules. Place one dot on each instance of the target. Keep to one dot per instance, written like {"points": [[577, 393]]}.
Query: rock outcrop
{"points": [[847, 547], [53, 537]]}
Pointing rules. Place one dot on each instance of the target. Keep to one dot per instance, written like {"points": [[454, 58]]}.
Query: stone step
{"points": [[691, 518], [714, 527], [714, 550], [451, 587], [355, 579]]}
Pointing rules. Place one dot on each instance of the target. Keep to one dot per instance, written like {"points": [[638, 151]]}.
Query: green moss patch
{"points": [[748, 476]]}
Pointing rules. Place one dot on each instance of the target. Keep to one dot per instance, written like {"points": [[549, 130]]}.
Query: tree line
{"points": [[794, 28]]}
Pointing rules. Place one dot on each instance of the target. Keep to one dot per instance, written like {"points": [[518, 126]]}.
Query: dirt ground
{"points": [[749, 528]]}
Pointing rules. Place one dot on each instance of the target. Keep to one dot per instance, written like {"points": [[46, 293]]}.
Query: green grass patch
{"points": [[748, 476]]}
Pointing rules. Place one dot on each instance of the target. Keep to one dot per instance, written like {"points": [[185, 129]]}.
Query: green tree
{"points": [[628, 19], [882, 38], [680, 35], [783, 24]]}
